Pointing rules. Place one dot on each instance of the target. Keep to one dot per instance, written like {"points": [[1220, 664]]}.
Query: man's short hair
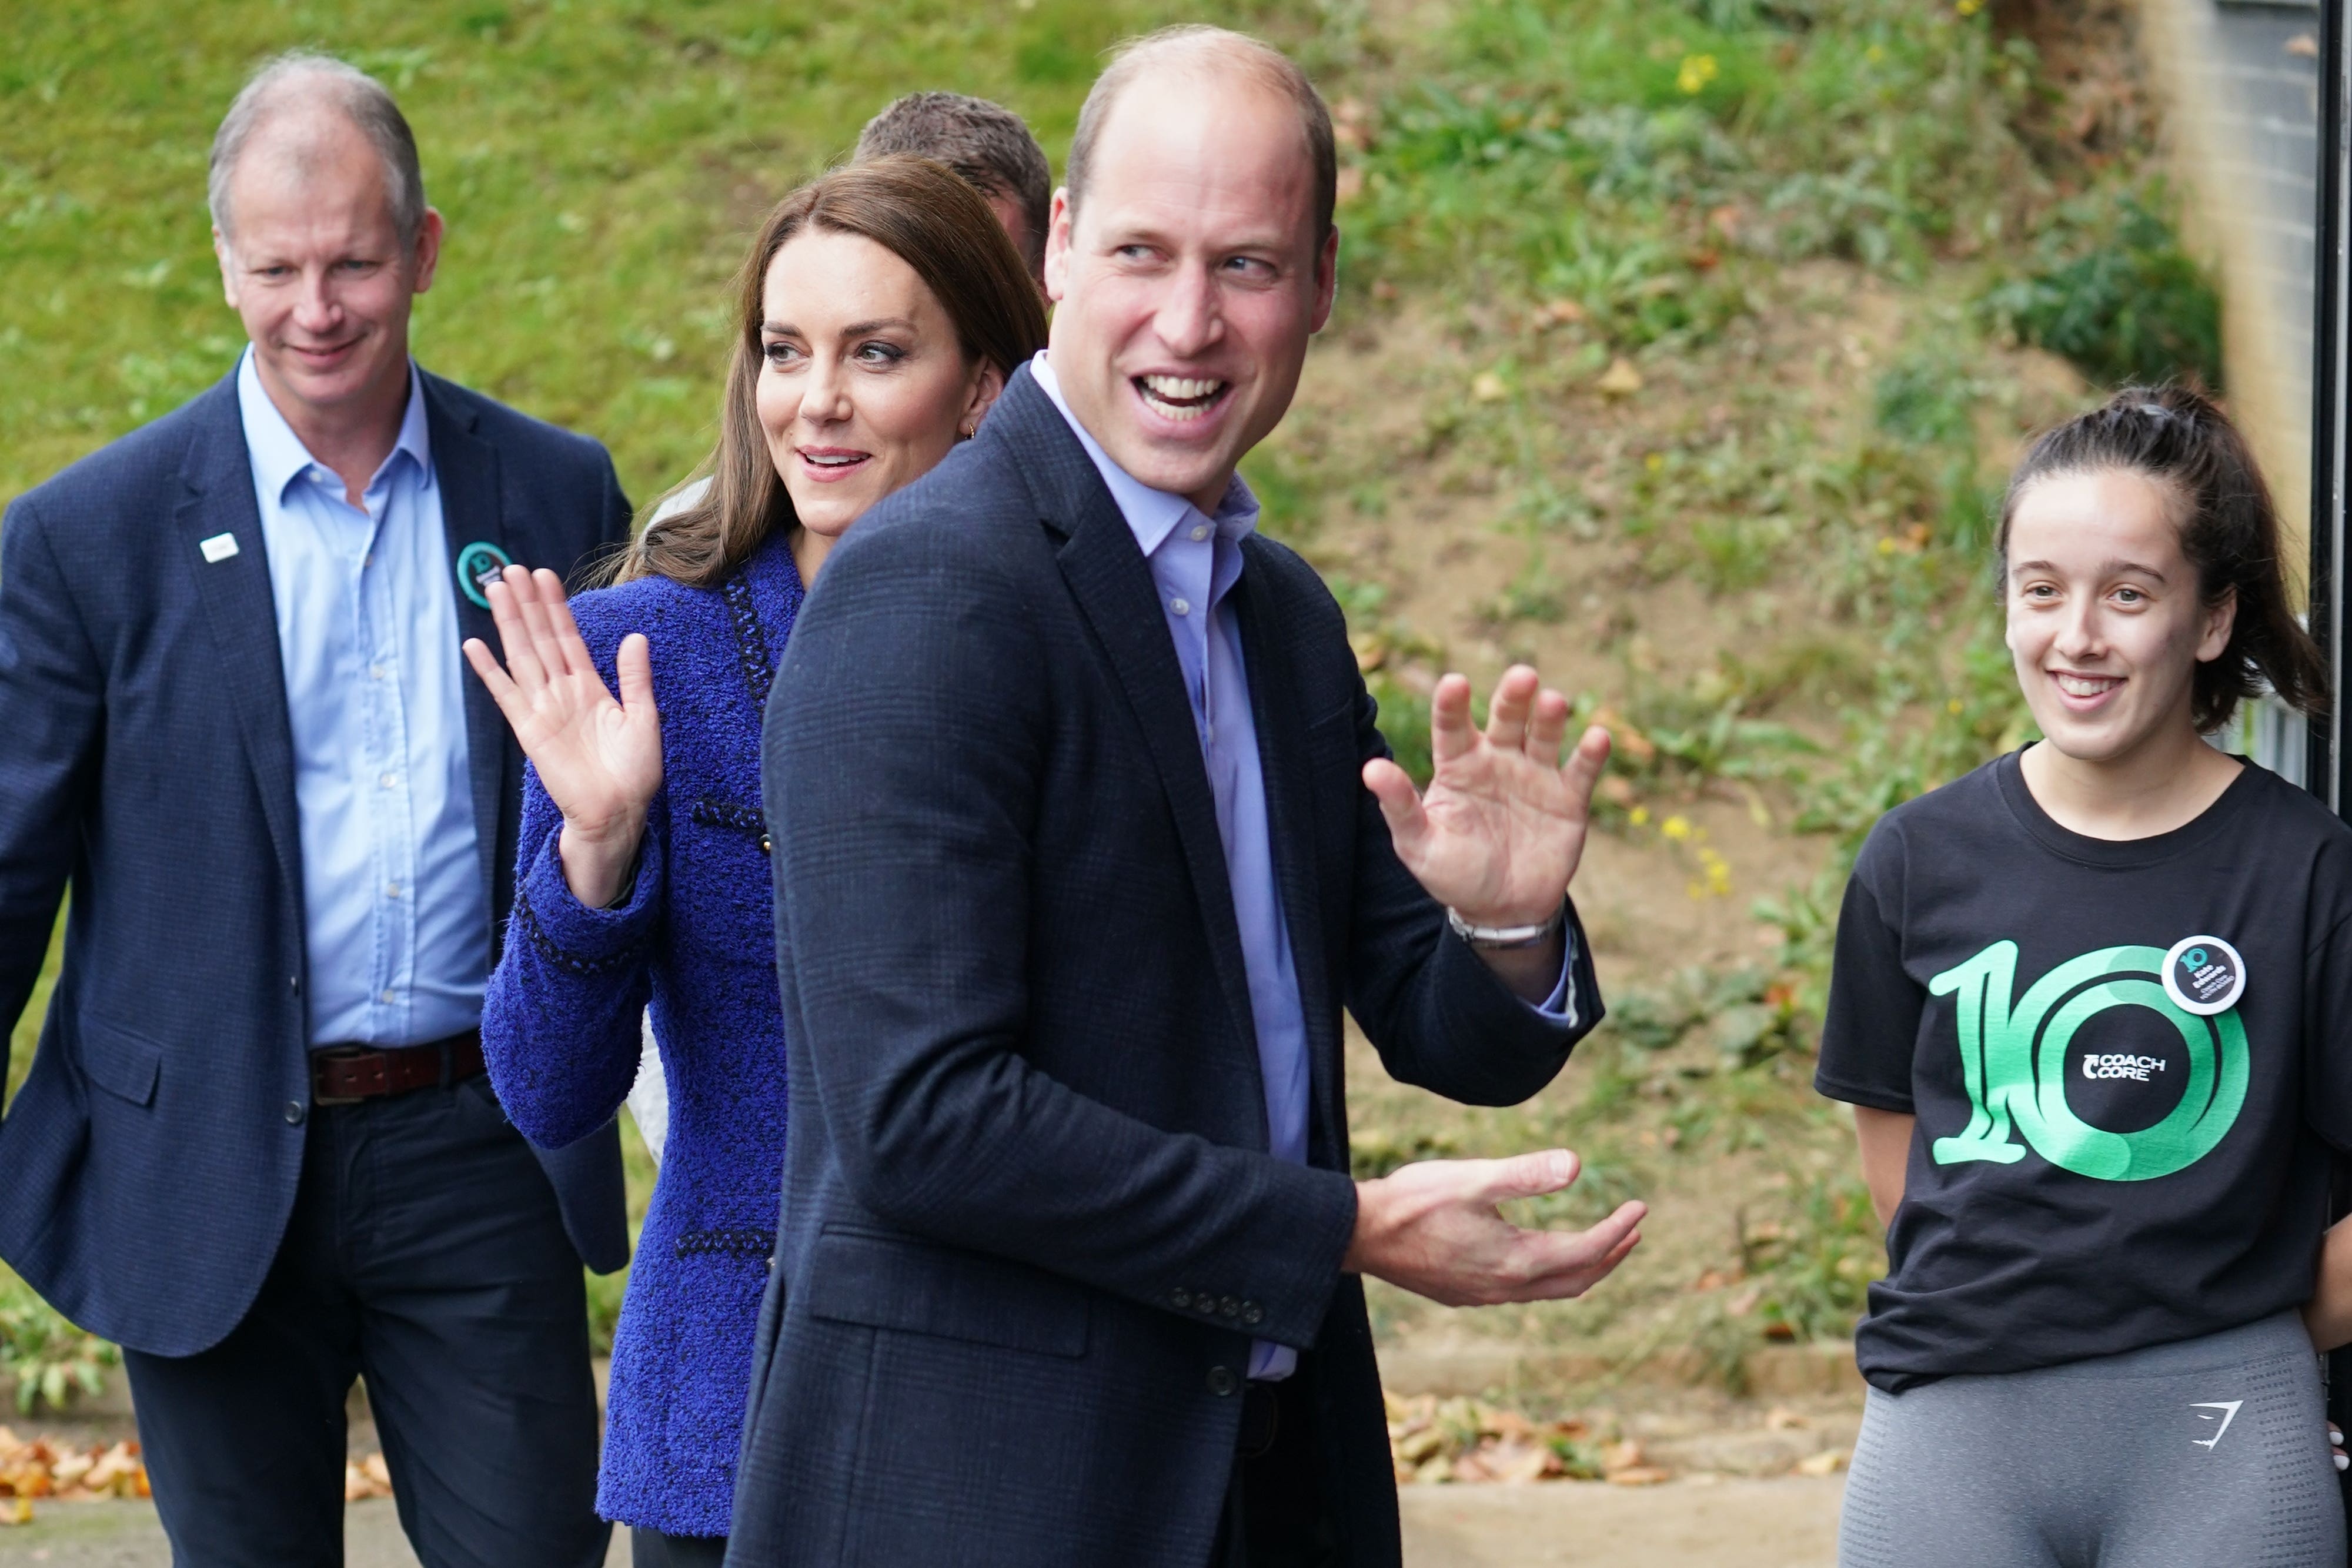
{"points": [[1197, 46], [300, 80], [986, 144]]}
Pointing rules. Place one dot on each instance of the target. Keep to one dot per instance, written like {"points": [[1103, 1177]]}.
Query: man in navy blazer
{"points": [[1084, 836], [256, 1145]]}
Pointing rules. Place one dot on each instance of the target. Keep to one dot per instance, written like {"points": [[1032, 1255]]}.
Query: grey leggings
{"points": [[2210, 1451]]}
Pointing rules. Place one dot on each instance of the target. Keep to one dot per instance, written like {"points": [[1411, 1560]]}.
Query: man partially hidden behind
{"points": [[987, 145], [257, 1146], [1084, 837]]}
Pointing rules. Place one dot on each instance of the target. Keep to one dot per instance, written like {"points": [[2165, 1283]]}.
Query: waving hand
{"points": [[598, 760]]}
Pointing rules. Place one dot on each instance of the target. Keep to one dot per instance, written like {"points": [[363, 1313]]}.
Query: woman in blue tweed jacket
{"points": [[879, 314]]}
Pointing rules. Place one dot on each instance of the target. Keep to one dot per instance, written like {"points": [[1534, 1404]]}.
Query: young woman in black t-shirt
{"points": [[2087, 1007]]}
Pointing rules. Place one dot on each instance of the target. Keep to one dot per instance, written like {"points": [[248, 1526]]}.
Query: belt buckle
{"points": [[340, 1053]]}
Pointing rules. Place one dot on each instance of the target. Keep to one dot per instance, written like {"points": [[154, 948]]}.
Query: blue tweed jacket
{"points": [[560, 1028]]}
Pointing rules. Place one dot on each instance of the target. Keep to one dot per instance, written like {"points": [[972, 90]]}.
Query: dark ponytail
{"points": [[2229, 531]]}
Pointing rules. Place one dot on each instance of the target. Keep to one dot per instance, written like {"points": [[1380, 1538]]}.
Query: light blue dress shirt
{"points": [[1195, 560], [396, 920]]}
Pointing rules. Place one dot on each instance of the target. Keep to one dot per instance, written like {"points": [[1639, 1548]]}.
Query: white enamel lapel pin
{"points": [[218, 549]]}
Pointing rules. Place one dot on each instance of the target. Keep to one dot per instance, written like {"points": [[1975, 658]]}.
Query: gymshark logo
{"points": [[2229, 1410]]}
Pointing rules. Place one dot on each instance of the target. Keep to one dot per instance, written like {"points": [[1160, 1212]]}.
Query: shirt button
{"points": [[1200, 532], [388, 997], [375, 671], [1223, 1383], [388, 780], [390, 890], [1180, 606], [294, 1112]]}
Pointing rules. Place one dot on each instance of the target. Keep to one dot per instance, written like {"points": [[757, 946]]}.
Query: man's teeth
{"points": [[1181, 397], [2087, 685]]}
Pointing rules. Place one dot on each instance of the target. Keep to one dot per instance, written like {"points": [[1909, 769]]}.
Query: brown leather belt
{"points": [[347, 1074]]}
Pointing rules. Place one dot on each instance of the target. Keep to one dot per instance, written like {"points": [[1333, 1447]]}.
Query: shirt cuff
{"points": [[1561, 1004]]}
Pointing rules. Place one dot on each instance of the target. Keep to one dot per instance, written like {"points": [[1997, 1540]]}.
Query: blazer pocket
{"points": [[885, 1281], [120, 1060]]}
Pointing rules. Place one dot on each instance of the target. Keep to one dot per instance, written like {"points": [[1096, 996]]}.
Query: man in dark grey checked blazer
{"points": [[1084, 836]]}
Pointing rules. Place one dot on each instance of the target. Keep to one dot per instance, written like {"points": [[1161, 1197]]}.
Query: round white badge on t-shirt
{"points": [[2204, 974]]}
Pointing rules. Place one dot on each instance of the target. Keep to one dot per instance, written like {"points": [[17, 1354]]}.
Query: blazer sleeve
{"points": [[904, 742], [560, 1017], [1437, 1015], [52, 708]]}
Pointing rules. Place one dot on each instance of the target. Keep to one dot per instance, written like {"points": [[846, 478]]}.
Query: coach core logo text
{"points": [[2013, 1057]]}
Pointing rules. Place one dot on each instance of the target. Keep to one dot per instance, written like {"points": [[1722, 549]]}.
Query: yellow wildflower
{"points": [[1639, 816], [1696, 71], [1676, 827]]}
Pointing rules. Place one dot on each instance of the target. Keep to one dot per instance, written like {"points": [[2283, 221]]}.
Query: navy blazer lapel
{"points": [[1281, 736], [234, 589], [1112, 584], [466, 467]]}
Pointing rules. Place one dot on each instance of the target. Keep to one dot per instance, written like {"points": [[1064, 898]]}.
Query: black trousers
{"points": [[1274, 1514], [652, 1548], [424, 1253]]}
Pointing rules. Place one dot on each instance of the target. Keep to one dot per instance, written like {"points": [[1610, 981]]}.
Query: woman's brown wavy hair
{"points": [[926, 217]]}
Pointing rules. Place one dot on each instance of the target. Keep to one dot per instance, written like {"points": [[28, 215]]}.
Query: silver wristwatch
{"points": [[1503, 938]]}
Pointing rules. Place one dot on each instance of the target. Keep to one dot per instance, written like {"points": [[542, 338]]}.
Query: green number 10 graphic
{"points": [[2014, 1060]]}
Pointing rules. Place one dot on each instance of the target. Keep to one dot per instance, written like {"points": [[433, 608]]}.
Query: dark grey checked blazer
{"points": [[1028, 1226], [150, 1162]]}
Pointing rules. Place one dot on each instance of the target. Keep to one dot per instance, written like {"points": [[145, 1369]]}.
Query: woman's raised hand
{"points": [[598, 760]]}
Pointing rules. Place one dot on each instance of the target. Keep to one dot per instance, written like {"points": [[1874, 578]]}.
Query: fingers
{"points": [[1400, 802], [1450, 732], [1582, 770], [514, 636], [566, 630], [1558, 1263], [537, 590], [1508, 714], [486, 665], [1550, 724], [1528, 1176], [636, 668]]}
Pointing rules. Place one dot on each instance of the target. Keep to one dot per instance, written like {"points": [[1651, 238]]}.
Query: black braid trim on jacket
{"points": [[727, 814], [562, 958], [750, 642], [726, 1243]]}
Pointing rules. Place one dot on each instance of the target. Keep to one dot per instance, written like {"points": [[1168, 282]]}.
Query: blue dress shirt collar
{"points": [[279, 455]]}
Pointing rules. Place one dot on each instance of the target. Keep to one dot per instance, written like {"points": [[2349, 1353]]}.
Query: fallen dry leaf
{"points": [[1780, 1418], [1489, 388], [15, 1510], [1621, 378], [1828, 1462], [1639, 1476]]}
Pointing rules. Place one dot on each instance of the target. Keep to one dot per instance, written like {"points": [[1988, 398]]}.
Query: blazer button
{"points": [[1223, 1383], [1230, 1307], [1251, 1312], [766, 848], [295, 1112], [1182, 1297]]}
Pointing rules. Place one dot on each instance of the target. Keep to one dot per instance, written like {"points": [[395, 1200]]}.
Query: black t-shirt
{"points": [[2097, 1166]]}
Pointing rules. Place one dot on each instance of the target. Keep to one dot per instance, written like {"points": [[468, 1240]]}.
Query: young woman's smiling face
{"points": [[2106, 621], [864, 384]]}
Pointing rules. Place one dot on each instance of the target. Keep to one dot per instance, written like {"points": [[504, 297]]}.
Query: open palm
{"points": [[598, 760], [1500, 830]]}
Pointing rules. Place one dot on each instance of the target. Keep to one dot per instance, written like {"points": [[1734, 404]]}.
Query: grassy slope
{"points": [[1752, 542]]}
